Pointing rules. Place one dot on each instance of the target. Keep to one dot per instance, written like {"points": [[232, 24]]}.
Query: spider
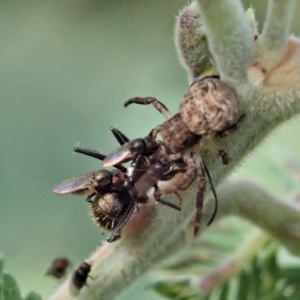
{"points": [[209, 108]]}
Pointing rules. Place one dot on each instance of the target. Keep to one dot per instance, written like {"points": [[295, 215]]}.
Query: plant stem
{"points": [[230, 38], [277, 26], [280, 218]]}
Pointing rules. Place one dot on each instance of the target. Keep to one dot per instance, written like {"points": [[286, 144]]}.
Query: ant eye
{"points": [[138, 146], [106, 181], [104, 178]]}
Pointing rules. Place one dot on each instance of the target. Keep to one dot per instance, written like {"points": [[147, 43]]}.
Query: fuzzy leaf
{"points": [[33, 296], [11, 289], [179, 290]]}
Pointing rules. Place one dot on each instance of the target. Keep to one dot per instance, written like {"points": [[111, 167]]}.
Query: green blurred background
{"points": [[66, 67]]}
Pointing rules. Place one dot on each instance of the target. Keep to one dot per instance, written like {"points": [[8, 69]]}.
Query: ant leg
{"points": [[120, 136], [116, 233], [98, 155], [89, 152], [89, 198], [151, 100]]}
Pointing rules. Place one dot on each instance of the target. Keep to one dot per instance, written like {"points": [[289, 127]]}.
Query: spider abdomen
{"points": [[209, 106]]}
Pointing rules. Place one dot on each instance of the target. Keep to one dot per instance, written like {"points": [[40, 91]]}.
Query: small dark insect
{"points": [[58, 268], [81, 274], [209, 109]]}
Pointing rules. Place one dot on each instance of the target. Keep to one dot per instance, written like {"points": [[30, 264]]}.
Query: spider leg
{"points": [[184, 181], [231, 127], [154, 132], [151, 100], [200, 193], [212, 187], [167, 203]]}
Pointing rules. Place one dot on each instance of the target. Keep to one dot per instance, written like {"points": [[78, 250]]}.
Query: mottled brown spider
{"points": [[209, 108]]}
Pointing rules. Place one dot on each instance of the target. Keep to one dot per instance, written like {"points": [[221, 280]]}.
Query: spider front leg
{"points": [[150, 100]]}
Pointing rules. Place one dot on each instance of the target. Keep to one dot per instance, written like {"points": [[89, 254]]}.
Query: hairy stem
{"points": [[230, 38], [280, 218], [277, 25]]}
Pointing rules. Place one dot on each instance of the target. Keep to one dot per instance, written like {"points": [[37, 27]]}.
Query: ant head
{"points": [[138, 146], [103, 178]]}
